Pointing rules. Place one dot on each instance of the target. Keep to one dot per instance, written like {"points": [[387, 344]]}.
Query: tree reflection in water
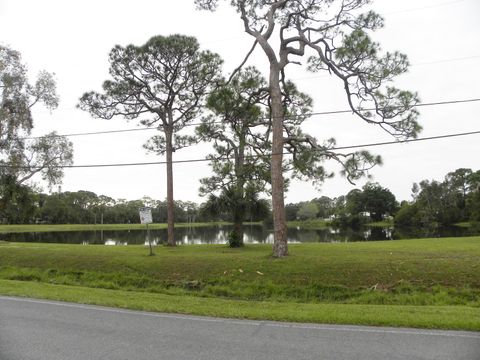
{"points": [[254, 234]]}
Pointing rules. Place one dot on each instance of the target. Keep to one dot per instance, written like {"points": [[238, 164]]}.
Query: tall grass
{"points": [[410, 272]]}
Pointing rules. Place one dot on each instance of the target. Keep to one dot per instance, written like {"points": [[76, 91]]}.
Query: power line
{"points": [[408, 140], [253, 156], [446, 60], [93, 133], [440, 61], [417, 105], [319, 113], [425, 7]]}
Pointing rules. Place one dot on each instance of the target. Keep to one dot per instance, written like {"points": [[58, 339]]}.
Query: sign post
{"points": [[146, 218]]}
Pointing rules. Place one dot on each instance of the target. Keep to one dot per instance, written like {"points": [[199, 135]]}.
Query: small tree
{"points": [[308, 211], [17, 202], [325, 206], [334, 32], [459, 181], [437, 204], [241, 130], [291, 211], [378, 201], [354, 202], [165, 79], [473, 198], [239, 166]]}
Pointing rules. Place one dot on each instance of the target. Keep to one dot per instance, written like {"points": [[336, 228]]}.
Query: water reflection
{"points": [[218, 235], [111, 242]]}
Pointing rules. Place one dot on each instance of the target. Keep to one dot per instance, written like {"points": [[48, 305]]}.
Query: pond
{"points": [[254, 234]]}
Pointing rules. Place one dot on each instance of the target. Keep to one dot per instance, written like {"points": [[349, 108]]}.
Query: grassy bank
{"points": [[314, 224], [309, 224], [433, 279], [434, 317], [384, 223], [469, 224], [92, 227], [319, 224]]}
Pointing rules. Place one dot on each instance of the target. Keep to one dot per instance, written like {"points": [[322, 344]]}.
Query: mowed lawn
{"points": [[422, 283]]}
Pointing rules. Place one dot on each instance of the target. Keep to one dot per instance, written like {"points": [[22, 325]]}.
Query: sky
{"points": [[73, 38]]}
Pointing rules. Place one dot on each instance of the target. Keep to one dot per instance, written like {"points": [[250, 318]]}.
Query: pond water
{"points": [[218, 235]]}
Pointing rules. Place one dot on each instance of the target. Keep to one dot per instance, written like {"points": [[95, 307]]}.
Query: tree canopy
{"points": [[240, 170], [334, 35], [161, 83], [21, 157]]}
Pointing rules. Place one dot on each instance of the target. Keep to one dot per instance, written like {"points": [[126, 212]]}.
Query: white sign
{"points": [[145, 215]]}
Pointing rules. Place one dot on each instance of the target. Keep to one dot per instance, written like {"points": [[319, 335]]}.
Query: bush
{"points": [[349, 221], [408, 215], [235, 240]]}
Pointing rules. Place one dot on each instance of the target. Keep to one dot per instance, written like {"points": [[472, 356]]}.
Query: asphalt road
{"points": [[37, 329]]}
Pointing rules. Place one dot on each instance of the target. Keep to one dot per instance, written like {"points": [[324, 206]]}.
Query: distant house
{"points": [[365, 214]]}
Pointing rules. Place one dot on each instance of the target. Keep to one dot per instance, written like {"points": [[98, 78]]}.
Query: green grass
{"points": [[384, 223], [314, 224], [91, 227], [323, 224], [319, 224], [436, 281], [468, 224], [309, 224], [436, 317]]}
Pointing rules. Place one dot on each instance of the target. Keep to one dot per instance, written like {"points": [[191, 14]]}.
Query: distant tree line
{"points": [[434, 203], [455, 199], [26, 206], [371, 203]]}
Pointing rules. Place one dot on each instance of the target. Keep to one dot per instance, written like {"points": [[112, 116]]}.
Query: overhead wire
{"points": [[337, 148], [440, 61], [310, 114], [424, 7], [318, 113]]}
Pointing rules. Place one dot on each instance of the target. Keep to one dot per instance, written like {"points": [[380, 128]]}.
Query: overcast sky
{"points": [[73, 39]]}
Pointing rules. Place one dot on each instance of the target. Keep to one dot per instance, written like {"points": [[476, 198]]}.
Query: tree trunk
{"points": [[238, 217], [280, 246], [170, 205], [239, 195]]}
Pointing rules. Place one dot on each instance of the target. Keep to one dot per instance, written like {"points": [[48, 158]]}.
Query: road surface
{"points": [[48, 330]]}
